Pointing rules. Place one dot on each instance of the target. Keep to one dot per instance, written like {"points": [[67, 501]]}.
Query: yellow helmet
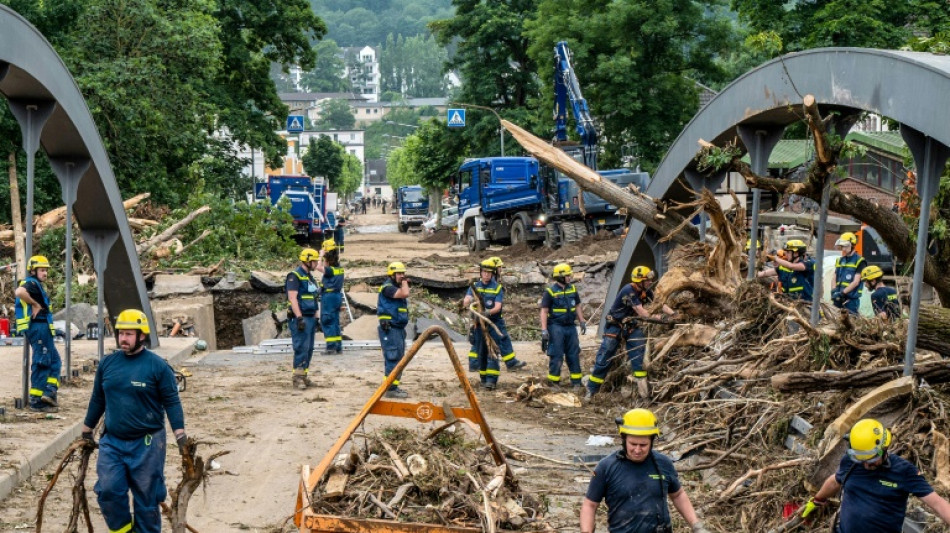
{"points": [[489, 265], [562, 269], [395, 267], [497, 260], [638, 422], [872, 272], [847, 238], [132, 319], [309, 254], [37, 261], [641, 273], [796, 245], [748, 244], [868, 439], [329, 245]]}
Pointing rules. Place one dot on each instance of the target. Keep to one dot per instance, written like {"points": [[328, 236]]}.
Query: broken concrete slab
{"points": [[363, 300], [174, 284], [80, 314], [259, 327], [227, 284], [200, 308], [362, 329], [422, 323], [270, 282]]}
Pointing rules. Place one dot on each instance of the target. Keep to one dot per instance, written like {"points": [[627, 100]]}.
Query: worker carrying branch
{"points": [[874, 485]]}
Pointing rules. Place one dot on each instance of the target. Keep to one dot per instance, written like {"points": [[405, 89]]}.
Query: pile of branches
{"points": [[441, 477]]}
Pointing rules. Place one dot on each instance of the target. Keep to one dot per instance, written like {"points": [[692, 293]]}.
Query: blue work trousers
{"points": [[505, 348], [137, 465], [46, 365], [634, 346], [487, 366], [564, 344], [303, 341], [393, 343], [330, 304]]}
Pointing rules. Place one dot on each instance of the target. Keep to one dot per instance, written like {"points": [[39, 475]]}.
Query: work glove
{"points": [[811, 505], [182, 442], [583, 328], [545, 340], [89, 440], [301, 325], [700, 527], [836, 295]]}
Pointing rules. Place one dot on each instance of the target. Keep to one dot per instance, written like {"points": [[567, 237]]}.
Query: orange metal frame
{"points": [[310, 522]]}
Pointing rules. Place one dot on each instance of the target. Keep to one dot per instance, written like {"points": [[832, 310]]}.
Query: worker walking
{"points": [[339, 234], [331, 295], [622, 323], [135, 389], [846, 292], [491, 269], [795, 271], [874, 485], [635, 482], [884, 299], [560, 306], [392, 309], [34, 320], [302, 293]]}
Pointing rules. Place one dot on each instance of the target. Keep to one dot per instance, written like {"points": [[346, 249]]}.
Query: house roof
{"points": [[313, 97], [788, 153], [889, 142], [865, 190]]}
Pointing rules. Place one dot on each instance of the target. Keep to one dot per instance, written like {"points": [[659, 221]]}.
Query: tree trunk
{"points": [[638, 206], [19, 242], [933, 372], [933, 332]]}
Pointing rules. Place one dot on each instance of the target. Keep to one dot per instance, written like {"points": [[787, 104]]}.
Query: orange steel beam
{"points": [[333, 524]]}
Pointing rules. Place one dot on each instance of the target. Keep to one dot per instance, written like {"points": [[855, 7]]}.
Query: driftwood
{"points": [[933, 372], [57, 217], [82, 450], [194, 470], [166, 235], [18, 238]]}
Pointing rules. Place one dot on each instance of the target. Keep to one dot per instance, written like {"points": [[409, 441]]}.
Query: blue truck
{"points": [[311, 205], [413, 205]]}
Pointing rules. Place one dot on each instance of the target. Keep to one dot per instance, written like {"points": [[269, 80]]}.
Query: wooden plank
{"points": [[334, 524], [336, 485]]}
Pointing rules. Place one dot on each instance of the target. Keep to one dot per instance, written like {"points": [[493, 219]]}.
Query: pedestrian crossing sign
{"points": [[456, 118], [295, 123]]}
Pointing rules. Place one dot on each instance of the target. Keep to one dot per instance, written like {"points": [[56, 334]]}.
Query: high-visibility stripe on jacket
{"points": [[306, 292], [395, 310]]}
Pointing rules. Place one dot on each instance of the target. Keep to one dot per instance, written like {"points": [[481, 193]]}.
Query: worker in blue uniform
{"points": [[302, 294], [135, 389], [846, 292], [874, 485], [34, 320], [884, 299], [795, 271], [622, 324], [560, 311], [331, 295], [392, 310], [491, 266], [339, 234], [636, 482]]}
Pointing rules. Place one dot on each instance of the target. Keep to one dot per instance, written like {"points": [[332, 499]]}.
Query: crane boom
{"points": [[567, 87]]}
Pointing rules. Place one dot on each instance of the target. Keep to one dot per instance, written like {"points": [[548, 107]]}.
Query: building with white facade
{"points": [[362, 69]]}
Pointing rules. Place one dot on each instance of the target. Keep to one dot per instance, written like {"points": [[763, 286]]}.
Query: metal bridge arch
{"points": [[36, 83], [910, 87]]}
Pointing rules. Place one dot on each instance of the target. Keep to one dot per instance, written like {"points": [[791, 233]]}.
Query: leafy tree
{"points": [[413, 66], [400, 167], [328, 73], [351, 26], [324, 158], [399, 121], [351, 175], [335, 115], [429, 158]]}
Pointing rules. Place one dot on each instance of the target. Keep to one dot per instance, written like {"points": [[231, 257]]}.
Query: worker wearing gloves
{"points": [[560, 306], [135, 389], [846, 292], [883, 298], [392, 309], [302, 293], [622, 323], [34, 320], [795, 271], [331, 295], [636, 482], [874, 484], [492, 265]]}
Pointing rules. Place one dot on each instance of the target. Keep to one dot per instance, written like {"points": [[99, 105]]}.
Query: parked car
{"points": [[450, 217]]}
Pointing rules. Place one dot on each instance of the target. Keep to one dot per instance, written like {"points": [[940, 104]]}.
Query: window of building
{"points": [[353, 151]]}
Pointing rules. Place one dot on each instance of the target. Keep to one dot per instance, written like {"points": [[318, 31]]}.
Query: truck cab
{"points": [[413, 205]]}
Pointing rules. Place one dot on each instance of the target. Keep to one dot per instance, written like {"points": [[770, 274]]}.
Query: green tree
{"points": [[328, 73], [413, 66], [429, 158], [400, 168], [324, 158], [335, 115], [351, 175]]}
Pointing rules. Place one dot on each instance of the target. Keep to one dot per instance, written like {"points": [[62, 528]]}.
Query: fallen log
{"points": [[170, 231], [56, 217], [933, 372]]}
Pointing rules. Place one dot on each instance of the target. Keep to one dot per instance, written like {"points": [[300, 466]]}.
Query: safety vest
{"points": [[490, 293], [797, 284], [24, 311], [306, 292], [334, 282], [624, 306], [395, 310], [845, 270], [563, 304]]}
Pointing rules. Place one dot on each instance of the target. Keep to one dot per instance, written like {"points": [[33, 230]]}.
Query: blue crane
{"points": [[567, 87]]}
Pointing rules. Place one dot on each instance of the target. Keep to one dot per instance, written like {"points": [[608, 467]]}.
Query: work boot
{"points": [[300, 382], [306, 381], [588, 395], [396, 393], [578, 389], [643, 388], [39, 408], [517, 364], [49, 399], [489, 386]]}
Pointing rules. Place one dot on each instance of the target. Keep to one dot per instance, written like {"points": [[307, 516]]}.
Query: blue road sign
{"points": [[295, 123], [260, 191], [456, 118]]}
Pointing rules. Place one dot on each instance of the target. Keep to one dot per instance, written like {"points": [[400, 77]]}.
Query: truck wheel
{"points": [[551, 235], [574, 231], [402, 227], [471, 239], [518, 235]]}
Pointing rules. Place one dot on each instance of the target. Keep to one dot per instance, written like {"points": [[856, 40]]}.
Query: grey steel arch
{"points": [[910, 87], [32, 74]]}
